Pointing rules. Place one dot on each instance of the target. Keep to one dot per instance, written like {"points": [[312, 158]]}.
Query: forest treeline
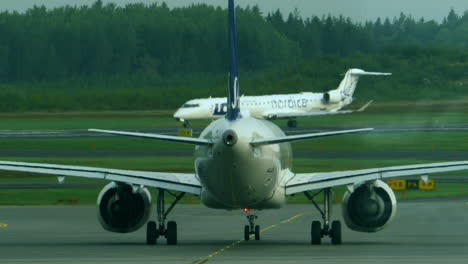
{"points": [[106, 57]]}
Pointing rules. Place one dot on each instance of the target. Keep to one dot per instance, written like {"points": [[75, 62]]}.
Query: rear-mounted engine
{"points": [[332, 97]]}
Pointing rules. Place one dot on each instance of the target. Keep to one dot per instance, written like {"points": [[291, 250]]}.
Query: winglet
{"points": [[233, 111]]}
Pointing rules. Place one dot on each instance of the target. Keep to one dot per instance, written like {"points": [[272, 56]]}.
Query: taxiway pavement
{"points": [[425, 231]]}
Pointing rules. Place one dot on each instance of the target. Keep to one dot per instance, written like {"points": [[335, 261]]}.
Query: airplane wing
{"points": [[292, 114], [175, 181], [312, 181]]}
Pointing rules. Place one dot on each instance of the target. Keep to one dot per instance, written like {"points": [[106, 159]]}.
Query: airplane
{"points": [[241, 163], [281, 106]]}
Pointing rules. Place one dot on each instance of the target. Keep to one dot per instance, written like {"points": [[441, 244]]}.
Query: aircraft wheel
{"points": [[171, 233], [246, 233], [151, 236], [336, 233], [316, 233], [257, 232]]}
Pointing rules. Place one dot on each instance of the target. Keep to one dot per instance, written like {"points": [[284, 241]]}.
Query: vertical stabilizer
{"points": [[233, 111], [349, 82]]}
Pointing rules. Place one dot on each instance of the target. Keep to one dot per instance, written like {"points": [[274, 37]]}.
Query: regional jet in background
{"points": [[241, 163], [280, 106]]}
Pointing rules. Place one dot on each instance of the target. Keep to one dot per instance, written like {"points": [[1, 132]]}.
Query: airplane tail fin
{"points": [[349, 82], [233, 110], [344, 92]]}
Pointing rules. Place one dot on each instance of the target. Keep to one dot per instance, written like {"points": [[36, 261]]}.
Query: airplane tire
{"points": [[336, 233], [151, 236], [246, 233], [316, 233], [171, 233], [257, 232]]}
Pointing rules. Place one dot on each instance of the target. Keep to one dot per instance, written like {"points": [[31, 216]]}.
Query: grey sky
{"points": [[358, 10]]}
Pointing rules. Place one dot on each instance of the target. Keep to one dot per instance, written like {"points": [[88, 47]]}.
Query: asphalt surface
{"points": [[430, 231]]}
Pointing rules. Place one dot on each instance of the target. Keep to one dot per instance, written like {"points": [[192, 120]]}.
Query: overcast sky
{"points": [[358, 10]]}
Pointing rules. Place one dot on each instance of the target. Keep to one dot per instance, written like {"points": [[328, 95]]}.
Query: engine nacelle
{"points": [[369, 206], [122, 208], [333, 97]]}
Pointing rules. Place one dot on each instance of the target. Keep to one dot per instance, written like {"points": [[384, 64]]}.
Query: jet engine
{"points": [[332, 97], [123, 208], [369, 206]]}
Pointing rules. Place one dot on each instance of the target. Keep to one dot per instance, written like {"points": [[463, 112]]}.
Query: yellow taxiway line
{"points": [[220, 251]]}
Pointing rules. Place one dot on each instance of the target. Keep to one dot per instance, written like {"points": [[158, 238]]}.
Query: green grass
{"points": [[387, 118], [89, 143], [85, 120], [433, 141]]}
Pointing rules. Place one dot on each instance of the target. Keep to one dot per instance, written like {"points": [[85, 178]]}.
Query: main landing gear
{"points": [[317, 232], [292, 123], [251, 228], [154, 230]]}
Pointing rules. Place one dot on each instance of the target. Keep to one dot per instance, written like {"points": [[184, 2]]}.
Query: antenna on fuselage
{"points": [[233, 111]]}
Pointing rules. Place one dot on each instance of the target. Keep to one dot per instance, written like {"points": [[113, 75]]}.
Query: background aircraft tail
{"points": [[344, 92], [233, 111]]}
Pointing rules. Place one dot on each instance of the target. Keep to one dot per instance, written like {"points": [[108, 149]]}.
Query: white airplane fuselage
{"points": [[281, 106], [234, 174], [257, 106]]}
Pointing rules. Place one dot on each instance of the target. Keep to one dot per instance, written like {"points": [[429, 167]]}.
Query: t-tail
{"points": [[233, 111], [344, 92]]}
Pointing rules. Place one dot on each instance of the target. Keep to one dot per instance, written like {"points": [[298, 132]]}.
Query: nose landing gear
{"points": [[251, 228]]}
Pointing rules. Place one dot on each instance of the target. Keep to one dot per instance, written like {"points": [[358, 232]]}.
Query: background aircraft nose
{"points": [[179, 114]]}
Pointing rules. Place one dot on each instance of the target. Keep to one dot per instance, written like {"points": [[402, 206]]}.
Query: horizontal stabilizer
{"points": [[278, 140], [187, 140], [362, 72]]}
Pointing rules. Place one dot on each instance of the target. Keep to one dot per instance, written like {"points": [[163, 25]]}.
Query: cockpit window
{"points": [[190, 105]]}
